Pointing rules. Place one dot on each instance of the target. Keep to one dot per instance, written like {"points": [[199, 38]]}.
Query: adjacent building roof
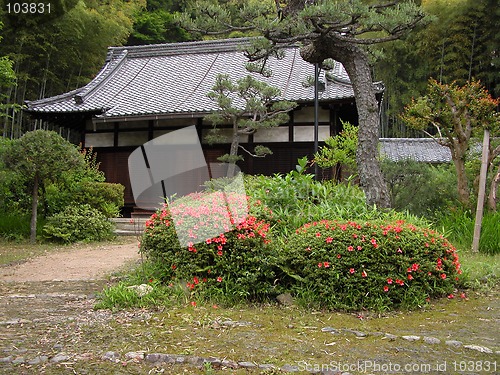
{"points": [[174, 79], [418, 149]]}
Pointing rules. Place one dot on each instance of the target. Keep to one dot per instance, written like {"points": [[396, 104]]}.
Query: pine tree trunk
{"points": [[355, 61], [34, 209]]}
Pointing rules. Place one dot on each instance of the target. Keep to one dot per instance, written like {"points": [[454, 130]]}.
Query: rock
{"points": [[196, 361], [141, 290], [411, 338], [162, 358], [329, 329], [482, 349], [229, 364], [61, 357], [289, 368], [286, 299], [111, 356], [18, 361], [215, 362], [357, 333], [453, 343], [431, 340], [247, 364], [267, 366], [139, 356], [38, 360], [390, 337]]}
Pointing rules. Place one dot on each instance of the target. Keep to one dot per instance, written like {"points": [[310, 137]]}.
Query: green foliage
{"points": [[78, 223], [422, 189], [459, 227], [353, 266], [232, 266], [105, 197], [15, 226], [296, 199], [340, 149]]}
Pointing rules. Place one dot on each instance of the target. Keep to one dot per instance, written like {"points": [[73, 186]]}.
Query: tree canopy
{"points": [[339, 30], [451, 114]]}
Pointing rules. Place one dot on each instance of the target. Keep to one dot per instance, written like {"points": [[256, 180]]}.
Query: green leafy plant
{"points": [[351, 265], [78, 223], [340, 149]]}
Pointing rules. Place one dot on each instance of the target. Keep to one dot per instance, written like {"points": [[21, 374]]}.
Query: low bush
{"points": [[233, 265], [352, 266], [78, 223]]}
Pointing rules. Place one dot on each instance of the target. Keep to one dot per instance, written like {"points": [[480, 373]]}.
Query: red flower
{"points": [[339, 256], [360, 248], [329, 240], [352, 270], [219, 279], [364, 274], [193, 303], [389, 281], [443, 276], [462, 295], [350, 248], [410, 277], [318, 234], [451, 296], [219, 253], [320, 265], [195, 280], [386, 288], [326, 264], [174, 266]]}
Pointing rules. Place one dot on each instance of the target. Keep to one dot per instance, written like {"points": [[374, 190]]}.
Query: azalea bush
{"points": [[235, 264], [352, 266]]}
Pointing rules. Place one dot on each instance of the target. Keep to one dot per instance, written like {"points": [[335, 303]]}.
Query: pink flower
{"points": [[389, 281], [219, 279], [352, 270], [320, 265], [326, 264], [386, 288], [443, 276], [350, 248], [329, 240]]}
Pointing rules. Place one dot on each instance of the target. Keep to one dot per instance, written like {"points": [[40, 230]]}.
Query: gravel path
{"points": [[80, 263]]}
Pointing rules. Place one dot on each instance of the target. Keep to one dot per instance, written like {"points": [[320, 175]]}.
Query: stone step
{"points": [[129, 227]]}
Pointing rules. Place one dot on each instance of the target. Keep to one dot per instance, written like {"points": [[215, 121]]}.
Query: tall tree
{"points": [[42, 156], [333, 29], [454, 113]]}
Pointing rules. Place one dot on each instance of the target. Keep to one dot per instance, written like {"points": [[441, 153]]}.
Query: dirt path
{"points": [[82, 263]]}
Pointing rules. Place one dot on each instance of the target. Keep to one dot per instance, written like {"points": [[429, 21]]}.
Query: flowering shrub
{"points": [[350, 266], [233, 265]]}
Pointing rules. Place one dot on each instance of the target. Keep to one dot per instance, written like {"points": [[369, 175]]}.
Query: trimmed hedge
{"points": [[78, 223], [352, 266]]}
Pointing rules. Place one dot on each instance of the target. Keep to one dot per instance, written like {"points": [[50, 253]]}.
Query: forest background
{"points": [[46, 54]]}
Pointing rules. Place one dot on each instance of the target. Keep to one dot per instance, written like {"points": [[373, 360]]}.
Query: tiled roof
{"points": [[173, 79], [418, 149]]}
